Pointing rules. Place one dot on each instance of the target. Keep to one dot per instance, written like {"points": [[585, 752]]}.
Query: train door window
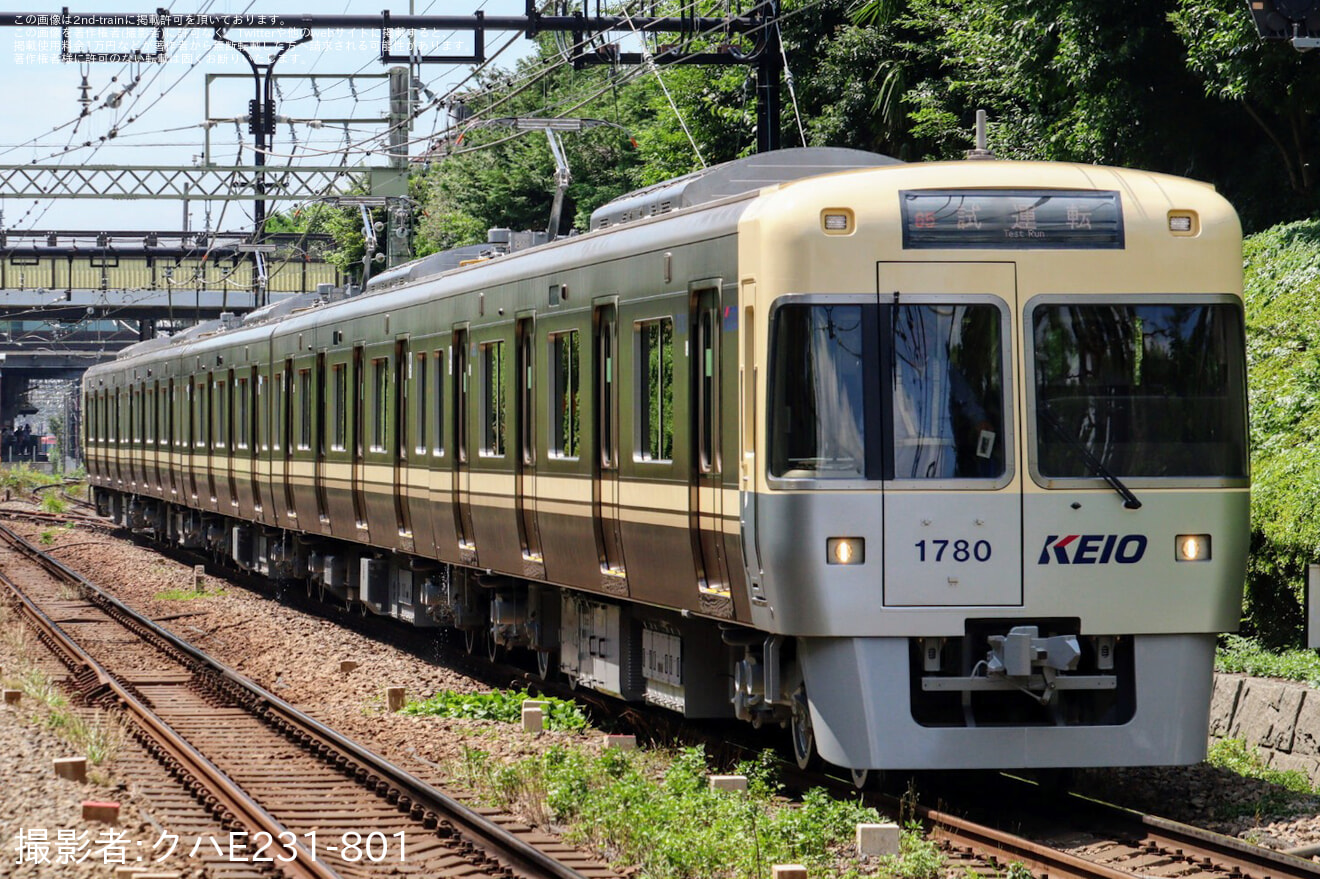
{"points": [[277, 411], [222, 412], [493, 415], [305, 409], [149, 418], [655, 400], [132, 421], [441, 361], [565, 378], [208, 419], [169, 436], [380, 384], [605, 389], [526, 399], [241, 414], [194, 415], [460, 396], [422, 365], [948, 392], [339, 385], [286, 412], [707, 402]]}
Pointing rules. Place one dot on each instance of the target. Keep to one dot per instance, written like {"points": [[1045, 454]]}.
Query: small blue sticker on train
{"points": [[730, 318], [1093, 549]]}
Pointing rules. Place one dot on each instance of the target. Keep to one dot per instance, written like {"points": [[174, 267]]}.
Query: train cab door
{"points": [[605, 499], [707, 493], [953, 491], [461, 378]]}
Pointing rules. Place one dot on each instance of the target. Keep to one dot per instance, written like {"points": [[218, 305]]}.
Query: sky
{"points": [[332, 90]]}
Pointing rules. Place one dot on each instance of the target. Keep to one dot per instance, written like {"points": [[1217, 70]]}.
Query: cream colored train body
{"points": [[939, 465]]}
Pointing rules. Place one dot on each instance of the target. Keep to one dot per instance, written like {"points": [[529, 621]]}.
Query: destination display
{"points": [[1012, 219]]}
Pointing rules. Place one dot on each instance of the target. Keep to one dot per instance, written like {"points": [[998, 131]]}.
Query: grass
{"points": [[500, 705], [54, 502], [181, 594], [1286, 786], [98, 739], [1238, 654], [20, 478], [656, 811]]}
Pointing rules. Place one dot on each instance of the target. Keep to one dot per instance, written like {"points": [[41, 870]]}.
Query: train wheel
{"points": [[544, 664], [470, 640], [494, 649], [804, 737], [867, 779]]}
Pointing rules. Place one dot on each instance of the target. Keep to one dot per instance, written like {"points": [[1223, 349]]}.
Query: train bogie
{"points": [[935, 465]]}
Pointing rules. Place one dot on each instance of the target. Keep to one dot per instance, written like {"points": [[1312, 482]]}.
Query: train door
{"points": [[609, 543], [233, 397], [707, 493], [315, 420], [196, 396], [286, 440], [953, 502], [525, 483], [255, 429], [210, 427], [171, 440], [462, 475], [357, 415], [399, 442]]}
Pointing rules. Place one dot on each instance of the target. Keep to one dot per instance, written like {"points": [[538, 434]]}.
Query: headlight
{"points": [[1192, 548], [845, 551]]}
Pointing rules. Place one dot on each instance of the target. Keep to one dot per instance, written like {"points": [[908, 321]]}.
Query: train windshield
{"points": [[920, 399], [1146, 391]]}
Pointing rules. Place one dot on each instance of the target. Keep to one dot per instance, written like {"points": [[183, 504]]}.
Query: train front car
{"points": [[995, 477]]}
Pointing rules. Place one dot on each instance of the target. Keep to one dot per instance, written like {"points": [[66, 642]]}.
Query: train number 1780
{"points": [[953, 550]]}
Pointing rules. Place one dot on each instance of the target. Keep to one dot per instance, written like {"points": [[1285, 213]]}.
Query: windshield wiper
{"points": [[1129, 499]]}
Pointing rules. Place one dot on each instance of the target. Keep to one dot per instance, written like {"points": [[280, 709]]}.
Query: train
{"points": [[934, 465]]}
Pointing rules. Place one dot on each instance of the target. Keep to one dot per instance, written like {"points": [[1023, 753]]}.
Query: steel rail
{"points": [[243, 809], [420, 796]]}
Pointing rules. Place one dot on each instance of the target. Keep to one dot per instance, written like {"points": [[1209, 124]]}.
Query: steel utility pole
{"points": [[261, 111]]}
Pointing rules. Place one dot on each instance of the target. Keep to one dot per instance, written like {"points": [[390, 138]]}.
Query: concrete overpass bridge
{"points": [[71, 299]]}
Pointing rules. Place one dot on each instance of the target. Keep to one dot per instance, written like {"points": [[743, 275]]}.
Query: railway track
{"points": [[1115, 844], [327, 807]]}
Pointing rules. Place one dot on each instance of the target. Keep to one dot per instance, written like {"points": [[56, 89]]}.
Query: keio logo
{"points": [[1093, 549]]}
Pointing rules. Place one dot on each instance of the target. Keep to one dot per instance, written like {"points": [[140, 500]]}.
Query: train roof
{"points": [[733, 178]]}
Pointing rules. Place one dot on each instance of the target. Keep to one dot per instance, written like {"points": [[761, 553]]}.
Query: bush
{"points": [[502, 705], [1282, 284]]}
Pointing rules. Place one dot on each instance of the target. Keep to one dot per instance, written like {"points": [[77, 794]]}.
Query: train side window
{"points": [[380, 375], [565, 440], [493, 409], [339, 384], [305, 409], [655, 421], [422, 364]]}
